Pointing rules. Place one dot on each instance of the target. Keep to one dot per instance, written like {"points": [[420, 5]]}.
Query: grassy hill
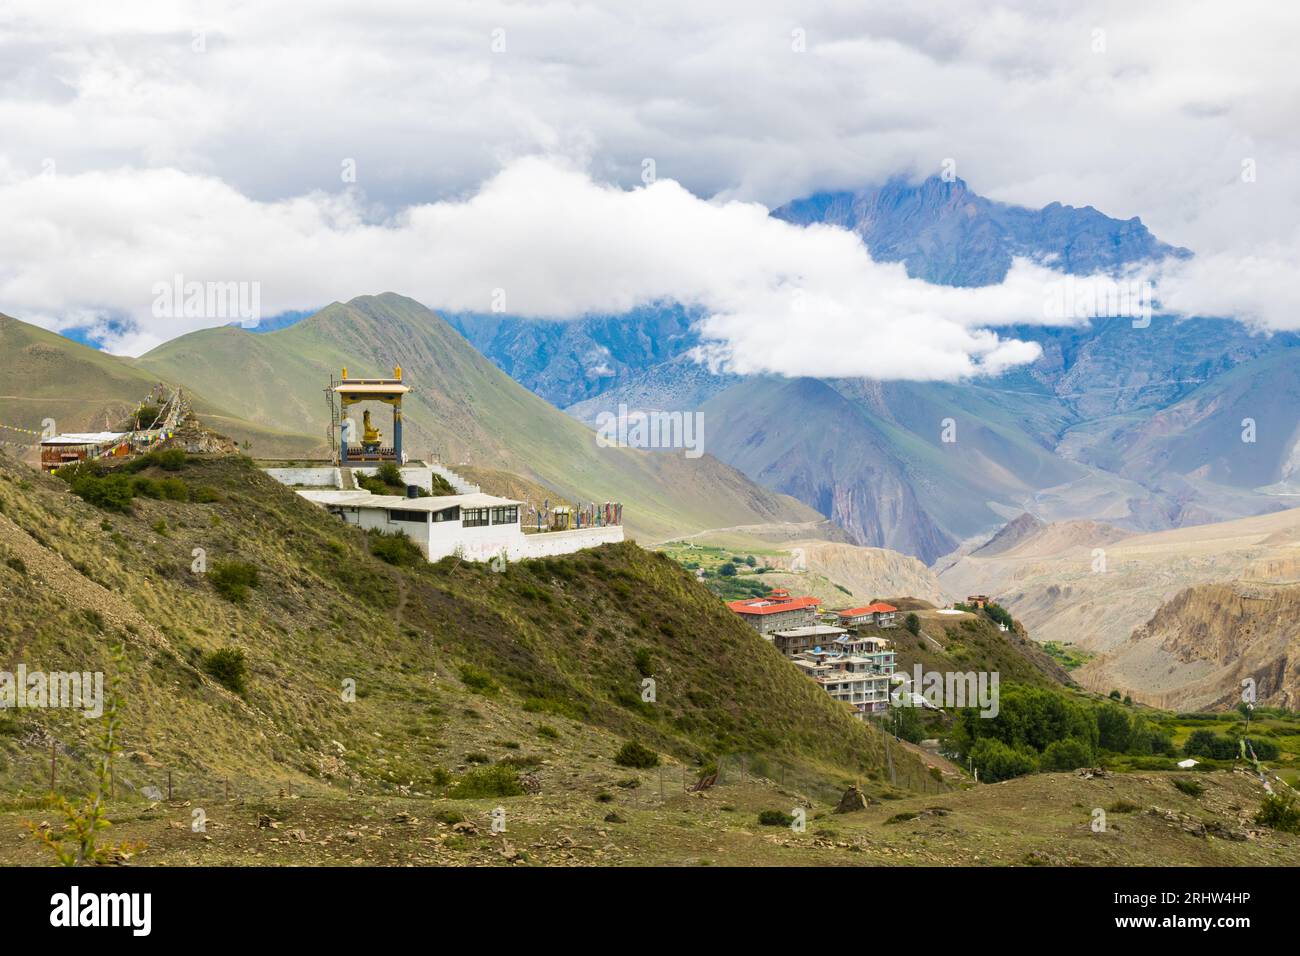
{"points": [[438, 653], [470, 686], [462, 409], [44, 375], [971, 641]]}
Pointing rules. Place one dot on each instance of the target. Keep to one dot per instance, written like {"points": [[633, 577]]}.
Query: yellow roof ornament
{"points": [[397, 372]]}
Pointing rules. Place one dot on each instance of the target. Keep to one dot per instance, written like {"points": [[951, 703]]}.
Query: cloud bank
{"points": [[334, 150], [539, 239]]}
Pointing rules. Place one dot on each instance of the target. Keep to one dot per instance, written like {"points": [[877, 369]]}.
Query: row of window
{"points": [[471, 517]]}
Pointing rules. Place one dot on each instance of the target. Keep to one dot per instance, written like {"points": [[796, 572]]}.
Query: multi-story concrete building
{"points": [[877, 650], [878, 614], [796, 640], [848, 678], [778, 611]]}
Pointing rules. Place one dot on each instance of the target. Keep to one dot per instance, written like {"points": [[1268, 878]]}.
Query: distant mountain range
{"points": [[1140, 427]]}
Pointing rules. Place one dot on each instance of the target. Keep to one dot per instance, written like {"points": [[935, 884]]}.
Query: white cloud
{"points": [[540, 239], [226, 163]]}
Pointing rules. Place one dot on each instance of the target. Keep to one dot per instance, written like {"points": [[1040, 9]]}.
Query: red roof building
{"points": [[879, 614], [778, 611]]}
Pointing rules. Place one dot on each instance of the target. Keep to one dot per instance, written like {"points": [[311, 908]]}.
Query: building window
{"points": [[415, 517], [506, 515], [474, 517], [447, 514]]}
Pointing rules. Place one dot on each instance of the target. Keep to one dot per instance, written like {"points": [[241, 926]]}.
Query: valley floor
{"points": [[1038, 820]]}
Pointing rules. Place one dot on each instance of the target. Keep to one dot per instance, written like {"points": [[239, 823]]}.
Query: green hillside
{"points": [[446, 658], [462, 409], [476, 693], [44, 375]]}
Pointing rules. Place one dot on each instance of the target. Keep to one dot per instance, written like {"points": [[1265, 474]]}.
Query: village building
{"points": [[877, 615], [855, 669], [796, 640], [849, 679], [476, 527], [978, 600], [60, 450], [778, 611], [878, 651]]}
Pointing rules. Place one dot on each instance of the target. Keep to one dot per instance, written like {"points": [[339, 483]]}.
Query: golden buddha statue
{"points": [[370, 434]]}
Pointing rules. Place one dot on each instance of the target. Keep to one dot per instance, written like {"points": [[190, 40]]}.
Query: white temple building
{"points": [[476, 527]]}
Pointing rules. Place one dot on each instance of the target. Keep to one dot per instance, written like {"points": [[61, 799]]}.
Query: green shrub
{"points": [[546, 730], [1114, 729], [146, 415], [204, 495], [913, 624], [232, 579], [395, 548], [495, 781], [1193, 788], [774, 818], [174, 489], [1068, 754], [1279, 811], [633, 754], [1000, 615], [390, 474], [996, 761], [1264, 749], [112, 492], [1206, 743], [644, 661], [478, 680], [17, 564], [172, 459], [553, 705], [227, 667], [1122, 806], [145, 488]]}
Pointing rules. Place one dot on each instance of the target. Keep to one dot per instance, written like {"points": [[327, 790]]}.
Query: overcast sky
{"points": [[500, 155]]}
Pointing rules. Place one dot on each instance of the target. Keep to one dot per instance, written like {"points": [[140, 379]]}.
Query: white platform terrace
{"points": [[478, 527]]}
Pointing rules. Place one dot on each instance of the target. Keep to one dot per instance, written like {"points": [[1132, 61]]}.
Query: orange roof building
{"points": [[778, 611], [879, 614]]}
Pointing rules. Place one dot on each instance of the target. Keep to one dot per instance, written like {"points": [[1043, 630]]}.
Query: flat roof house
{"points": [[849, 679], [477, 527], [777, 611], [796, 640], [61, 450], [878, 651]]}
